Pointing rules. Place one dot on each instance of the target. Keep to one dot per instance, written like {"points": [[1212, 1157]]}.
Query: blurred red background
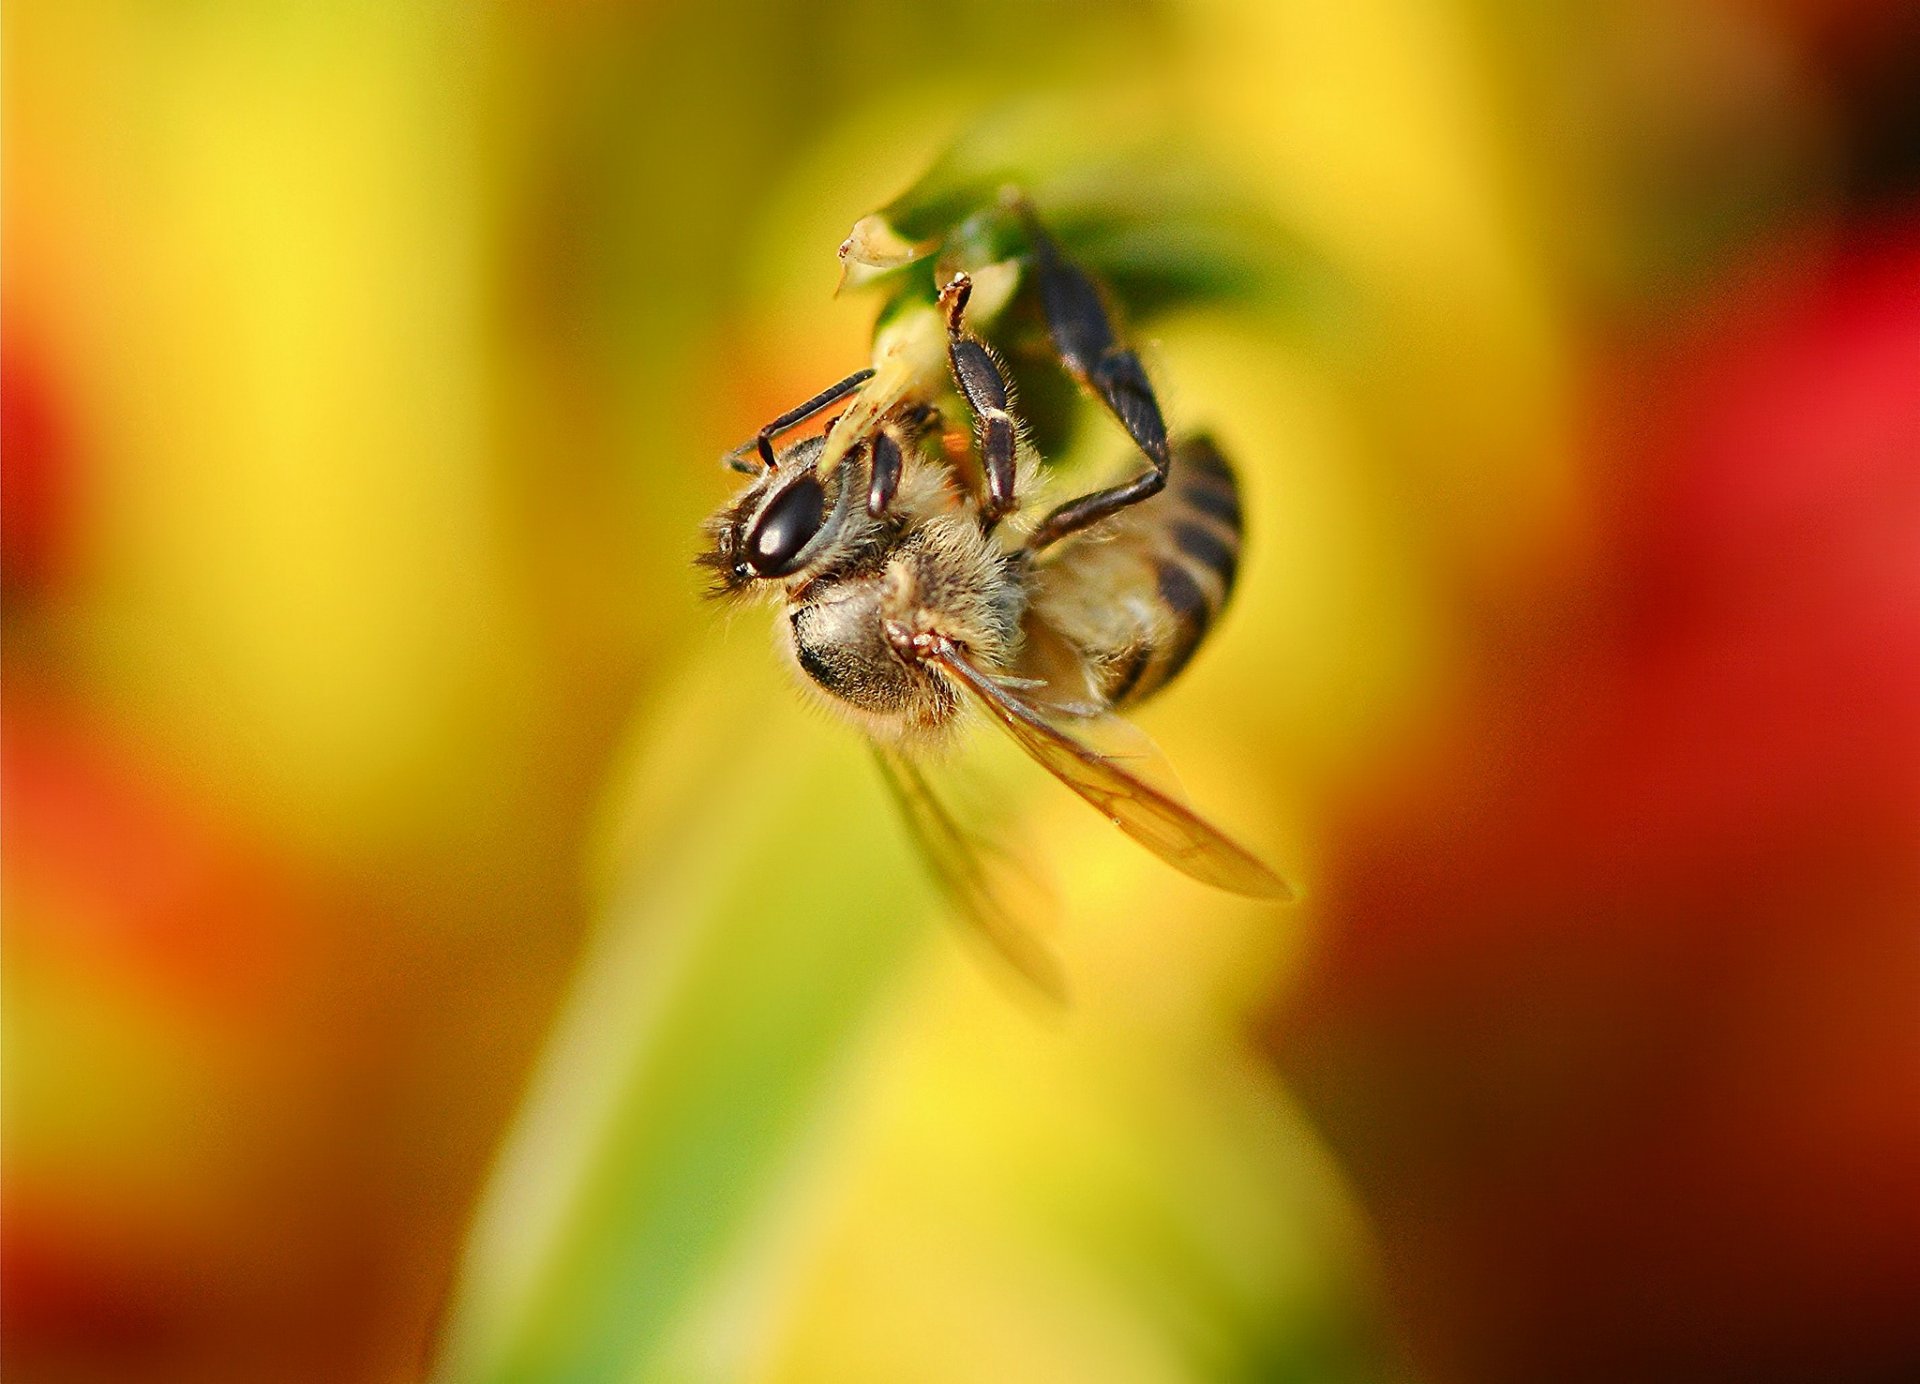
{"points": [[1613, 1016], [1619, 1029]]}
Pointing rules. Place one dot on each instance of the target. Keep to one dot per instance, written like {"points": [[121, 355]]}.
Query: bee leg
{"points": [[1078, 514], [1090, 350], [1087, 344], [892, 440], [885, 472], [800, 413], [984, 387]]}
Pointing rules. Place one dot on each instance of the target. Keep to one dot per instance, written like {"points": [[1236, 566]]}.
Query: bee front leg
{"points": [[763, 440], [893, 441], [984, 386], [884, 473]]}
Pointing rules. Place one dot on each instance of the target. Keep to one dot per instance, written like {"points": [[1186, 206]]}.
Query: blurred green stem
{"points": [[735, 966]]}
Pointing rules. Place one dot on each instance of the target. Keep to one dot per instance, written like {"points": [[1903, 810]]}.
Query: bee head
{"points": [[784, 522]]}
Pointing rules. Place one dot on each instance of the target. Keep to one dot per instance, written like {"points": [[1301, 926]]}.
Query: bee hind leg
{"points": [[1078, 514], [1091, 351]]}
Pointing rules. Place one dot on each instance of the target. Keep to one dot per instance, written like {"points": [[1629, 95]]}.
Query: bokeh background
{"points": [[438, 945]]}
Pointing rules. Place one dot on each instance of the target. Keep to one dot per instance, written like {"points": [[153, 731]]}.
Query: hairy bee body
{"points": [[933, 577], [1102, 622], [925, 567], [914, 578]]}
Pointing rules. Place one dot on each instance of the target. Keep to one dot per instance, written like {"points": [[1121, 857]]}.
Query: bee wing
{"points": [[967, 873], [1168, 828]]}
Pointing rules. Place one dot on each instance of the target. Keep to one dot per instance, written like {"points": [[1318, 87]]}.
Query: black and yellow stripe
{"points": [[1191, 533]]}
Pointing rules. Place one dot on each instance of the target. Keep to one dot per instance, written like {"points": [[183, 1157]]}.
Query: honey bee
{"points": [[912, 581]]}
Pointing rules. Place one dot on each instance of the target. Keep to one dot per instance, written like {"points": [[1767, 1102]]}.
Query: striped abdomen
{"points": [[1138, 594]]}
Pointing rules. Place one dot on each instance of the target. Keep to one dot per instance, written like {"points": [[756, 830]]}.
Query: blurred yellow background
{"points": [[440, 945]]}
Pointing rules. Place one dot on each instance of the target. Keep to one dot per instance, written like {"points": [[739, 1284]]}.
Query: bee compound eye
{"points": [[785, 527]]}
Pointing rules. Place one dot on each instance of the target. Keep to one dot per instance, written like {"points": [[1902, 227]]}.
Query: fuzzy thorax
{"points": [[942, 578], [924, 568]]}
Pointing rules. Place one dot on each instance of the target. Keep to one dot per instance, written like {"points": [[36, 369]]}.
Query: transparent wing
{"points": [[970, 877], [1168, 828]]}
